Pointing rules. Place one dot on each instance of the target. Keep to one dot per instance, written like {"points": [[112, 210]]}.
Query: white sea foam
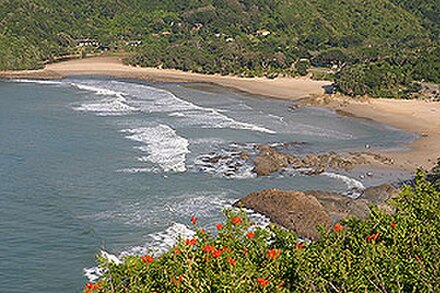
{"points": [[203, 204], [107, 107], [355, 187], [46, 82], [141, 213], [153, 100], [96, 90], [161, 242], [113, 104], [164, 147], [138, 170]]}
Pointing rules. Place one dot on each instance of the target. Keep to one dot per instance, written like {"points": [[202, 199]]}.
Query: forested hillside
{"points": [[242, 37]]}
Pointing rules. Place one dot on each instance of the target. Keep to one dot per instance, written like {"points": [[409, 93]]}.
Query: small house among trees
{"points": [[133, 43], [263, 33], [87, 43], [197, 26]]}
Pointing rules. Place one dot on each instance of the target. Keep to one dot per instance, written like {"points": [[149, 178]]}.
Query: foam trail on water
{"points": [[107, 107], [153, 100], [47, 82], [96, 90], [114, 103], [162, 241], [355, 187], [164, 147]]}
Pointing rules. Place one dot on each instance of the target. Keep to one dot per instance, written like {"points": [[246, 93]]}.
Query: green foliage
{"points": [[16, 53], [434, 176], [378, 79], [221, 36], [330, 57], [385, 253], [301, 67], [389, 73], [402, 257]]}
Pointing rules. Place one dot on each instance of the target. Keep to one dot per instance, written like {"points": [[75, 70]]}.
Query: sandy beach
{"points": [[420, 117]]}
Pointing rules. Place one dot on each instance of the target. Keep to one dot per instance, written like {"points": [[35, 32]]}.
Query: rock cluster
{"points": [[303, 212], [270, 160]]}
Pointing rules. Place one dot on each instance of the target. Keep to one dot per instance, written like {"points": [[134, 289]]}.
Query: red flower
{"points": [[245, 251], [338, 228], [202, 230], [175, 281], [236, 220], [208, 248], [147, 258], [181, 278], [393, 225], [375, 235], [176, 250], [90, 287], [232, 261], [263, 282], [299, 245], [280, 284], [219, 226], [191, 242], [250, 235], [217, 253], [273, 253], [194, 220]]}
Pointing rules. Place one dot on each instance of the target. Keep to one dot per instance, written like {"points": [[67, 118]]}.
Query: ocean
{"points": [[98, 163]]}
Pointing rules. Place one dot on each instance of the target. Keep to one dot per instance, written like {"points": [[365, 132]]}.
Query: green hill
{"points": [[252, 37]]}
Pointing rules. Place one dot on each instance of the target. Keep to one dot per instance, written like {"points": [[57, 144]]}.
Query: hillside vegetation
{"points": [[241, 37]]}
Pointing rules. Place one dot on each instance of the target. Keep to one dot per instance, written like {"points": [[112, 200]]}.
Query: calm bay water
{"points": [[87, 164]]}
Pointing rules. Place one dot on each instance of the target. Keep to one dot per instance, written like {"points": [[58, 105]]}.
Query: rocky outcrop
{"points": [[270, 160], [294, 210], [304, 211]]}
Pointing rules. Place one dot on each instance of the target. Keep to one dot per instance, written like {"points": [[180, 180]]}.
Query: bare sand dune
{"points": [[415, 116]]}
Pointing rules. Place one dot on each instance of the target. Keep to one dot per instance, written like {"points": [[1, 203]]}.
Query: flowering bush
{"points": [[384, 253]]}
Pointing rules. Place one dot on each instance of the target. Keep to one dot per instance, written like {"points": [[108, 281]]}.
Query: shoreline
{"points": [[416, 116]]}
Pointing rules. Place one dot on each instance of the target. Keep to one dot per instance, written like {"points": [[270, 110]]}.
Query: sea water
{"points": [[96, 163]]}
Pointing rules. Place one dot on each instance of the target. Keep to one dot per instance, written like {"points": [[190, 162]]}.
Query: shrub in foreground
{"points": [[396, 252]]}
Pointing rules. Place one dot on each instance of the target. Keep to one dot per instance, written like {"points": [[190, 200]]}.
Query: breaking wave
{"points": [[153, 100], [164, 147], [39, 81], [355, 187]]}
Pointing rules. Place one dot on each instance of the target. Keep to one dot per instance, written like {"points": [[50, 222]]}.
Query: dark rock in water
{"points": [[245, 155], [304, 211], [293, 210], [271, 160]]}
